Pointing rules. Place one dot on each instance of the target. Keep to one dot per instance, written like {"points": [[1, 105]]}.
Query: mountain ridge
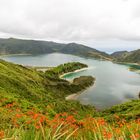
{"points": [[21, 46], [127, 57]]}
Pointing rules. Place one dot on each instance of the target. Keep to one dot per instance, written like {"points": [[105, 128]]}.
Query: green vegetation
{"points": [[129, 57], [67, 127], [84, 81], [32, 89], [129, 110], [18, 46], [64, 68], [134, 67], [33, 106], [119, 54]]}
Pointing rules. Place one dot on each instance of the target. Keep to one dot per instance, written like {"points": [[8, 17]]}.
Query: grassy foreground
{"points": [[37, 126], [33, 107]]}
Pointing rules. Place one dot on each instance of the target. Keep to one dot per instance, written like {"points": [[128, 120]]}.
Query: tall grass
{"points": [[36, 126]]}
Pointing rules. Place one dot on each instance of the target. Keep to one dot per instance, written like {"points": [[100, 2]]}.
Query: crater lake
{"points": [[115, 83]]}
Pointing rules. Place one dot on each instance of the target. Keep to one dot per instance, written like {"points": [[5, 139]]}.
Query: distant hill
{"points": [[119, 54], [19, 46], [133, 57], [130, 57]]}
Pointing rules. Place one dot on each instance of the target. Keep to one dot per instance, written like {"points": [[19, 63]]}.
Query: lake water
{"points": [[114, 82]]}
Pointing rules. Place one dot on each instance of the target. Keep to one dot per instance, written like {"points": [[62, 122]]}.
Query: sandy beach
{"points": [[72, 96], [61, 76]]}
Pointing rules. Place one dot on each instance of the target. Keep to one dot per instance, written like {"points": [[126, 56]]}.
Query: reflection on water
{"points": [[114, 83]]}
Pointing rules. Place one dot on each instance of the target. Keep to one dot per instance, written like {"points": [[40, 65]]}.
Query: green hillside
{"points": [[33, 106], [120, 54], [133, 57], [32, 89], [18, 46], [130, 57]]}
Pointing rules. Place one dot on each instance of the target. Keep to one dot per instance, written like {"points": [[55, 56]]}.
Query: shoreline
{"points": [[14, 54], [71, 96], [127, 63], [79, 70], [131, 66], [43, 69], [124, 63], [134, 70], [75, 95]]}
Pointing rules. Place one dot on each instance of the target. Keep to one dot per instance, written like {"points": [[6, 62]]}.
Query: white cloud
{"points": [[71, 20]]}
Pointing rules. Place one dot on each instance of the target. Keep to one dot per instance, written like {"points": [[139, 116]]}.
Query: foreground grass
{"points": [[36, 126]]}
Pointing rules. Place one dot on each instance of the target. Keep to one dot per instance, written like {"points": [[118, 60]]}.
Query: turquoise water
{"points": [[114, 83]]}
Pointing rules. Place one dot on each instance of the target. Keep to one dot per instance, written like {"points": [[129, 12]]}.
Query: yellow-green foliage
{"points": [[32, 89], [65, 68], [31, 106]]}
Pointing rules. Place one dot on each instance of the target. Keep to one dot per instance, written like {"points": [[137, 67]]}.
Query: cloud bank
{"points": [[71, 20]]}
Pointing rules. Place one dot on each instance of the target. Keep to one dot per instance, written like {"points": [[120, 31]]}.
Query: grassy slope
{"points": [[23, 91], [32, 89], [129, 110], [133, 57]]}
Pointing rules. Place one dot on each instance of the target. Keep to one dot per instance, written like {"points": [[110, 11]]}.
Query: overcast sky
{"points": [[103, 24]]}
